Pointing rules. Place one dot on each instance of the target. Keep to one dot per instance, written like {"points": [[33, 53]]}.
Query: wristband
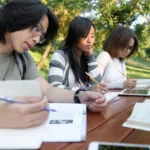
{"points": [[76, 96]]}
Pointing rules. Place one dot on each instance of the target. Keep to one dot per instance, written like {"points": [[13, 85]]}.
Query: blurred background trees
{"points": [[106, 15]]}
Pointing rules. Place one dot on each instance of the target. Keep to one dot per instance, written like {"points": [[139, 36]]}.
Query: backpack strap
{"points": [[21, 62]]}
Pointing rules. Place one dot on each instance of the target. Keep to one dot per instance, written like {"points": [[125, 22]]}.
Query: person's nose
{"points": [[36, 39], [89, 39]]}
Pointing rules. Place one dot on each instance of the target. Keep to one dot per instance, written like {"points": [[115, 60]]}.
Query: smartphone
{"points": [[116, 146]]}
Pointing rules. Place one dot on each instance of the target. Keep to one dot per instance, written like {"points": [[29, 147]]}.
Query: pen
{"points": [[9, 100]]}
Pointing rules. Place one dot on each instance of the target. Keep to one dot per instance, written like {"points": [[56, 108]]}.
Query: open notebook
{"points": [[68, 124], [139, 118], [20, 88]]}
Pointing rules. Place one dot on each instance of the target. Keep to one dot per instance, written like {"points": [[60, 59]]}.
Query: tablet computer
{"points": [[135, 92], [116, 146]]}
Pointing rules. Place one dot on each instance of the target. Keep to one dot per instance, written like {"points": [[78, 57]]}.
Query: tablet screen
{"points": [[136, 91], [108, 147]]}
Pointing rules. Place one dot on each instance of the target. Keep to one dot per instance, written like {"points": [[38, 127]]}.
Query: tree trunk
{"points": [[46, 52]]}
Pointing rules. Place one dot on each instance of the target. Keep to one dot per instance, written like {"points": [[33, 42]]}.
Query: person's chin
{"points": [[87, 50], [25, 50], [20, 51]]}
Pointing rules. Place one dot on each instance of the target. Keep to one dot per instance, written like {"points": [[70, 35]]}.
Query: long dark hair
{"points": [[119, 39], [21, 14], [79, 28]]}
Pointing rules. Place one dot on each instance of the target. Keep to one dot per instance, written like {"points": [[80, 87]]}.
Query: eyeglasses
{"points": [[37, 31], [131, 48]]}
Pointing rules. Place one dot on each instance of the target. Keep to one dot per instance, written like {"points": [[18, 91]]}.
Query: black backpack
{"points": [[21, 62]]}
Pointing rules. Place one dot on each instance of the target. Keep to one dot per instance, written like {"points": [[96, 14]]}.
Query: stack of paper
{"points": [[139, 118], [143, 83]]}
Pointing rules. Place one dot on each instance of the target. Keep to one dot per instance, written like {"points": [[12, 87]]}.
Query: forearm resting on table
{"points": [[59, 95], [55, 95]]}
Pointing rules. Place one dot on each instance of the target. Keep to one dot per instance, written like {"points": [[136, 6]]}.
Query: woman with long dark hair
{"points": [[69, 65]]}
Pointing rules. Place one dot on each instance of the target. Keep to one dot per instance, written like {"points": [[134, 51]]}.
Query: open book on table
{"points": [[139, 118], [68, 124]]}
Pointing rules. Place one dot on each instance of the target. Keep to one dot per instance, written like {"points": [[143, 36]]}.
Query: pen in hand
{"points": [[9, 100]]}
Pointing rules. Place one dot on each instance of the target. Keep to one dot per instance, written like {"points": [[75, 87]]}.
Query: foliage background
{"points": [[106, 15]]}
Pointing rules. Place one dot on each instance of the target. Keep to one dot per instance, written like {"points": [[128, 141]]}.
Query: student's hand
{"points": [[89, 53], [94, 100], [102, 88], [130, 83], [24, 115]]}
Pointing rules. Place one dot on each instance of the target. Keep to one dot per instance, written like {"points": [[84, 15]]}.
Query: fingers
{"points": [[100, 88], [28, 99], [94, 95], [130, 83], [35, 107], [37, 118], [96, 107]]}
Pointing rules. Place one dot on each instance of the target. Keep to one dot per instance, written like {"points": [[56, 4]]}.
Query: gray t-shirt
{"points": [[10, 71]]}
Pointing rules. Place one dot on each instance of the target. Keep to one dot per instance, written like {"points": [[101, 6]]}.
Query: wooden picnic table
{"points": [[107, 126]]}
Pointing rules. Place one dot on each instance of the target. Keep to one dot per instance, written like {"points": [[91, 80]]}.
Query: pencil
{"points": [[125, 75], [92, 78], [95, 80]]}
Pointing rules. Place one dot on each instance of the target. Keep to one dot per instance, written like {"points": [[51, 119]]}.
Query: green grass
{"points": [[44, 71], [137, 68]]}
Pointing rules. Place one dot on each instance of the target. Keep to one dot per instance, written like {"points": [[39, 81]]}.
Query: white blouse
{"points": [[110, 69]]}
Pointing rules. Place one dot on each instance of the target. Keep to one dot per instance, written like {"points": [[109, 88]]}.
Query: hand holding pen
{"points": [[10, 100], [18, 115], [129, 83], [98, 87]]}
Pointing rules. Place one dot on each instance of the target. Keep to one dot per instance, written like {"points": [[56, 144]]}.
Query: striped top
{"points": [[61, 74]]}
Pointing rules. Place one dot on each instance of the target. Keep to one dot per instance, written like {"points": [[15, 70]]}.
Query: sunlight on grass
{"points": [[138, 68], [44, 71]]}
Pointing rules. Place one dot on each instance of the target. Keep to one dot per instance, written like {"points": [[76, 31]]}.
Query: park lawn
{"points": [[137, 68], [44, 70]]}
